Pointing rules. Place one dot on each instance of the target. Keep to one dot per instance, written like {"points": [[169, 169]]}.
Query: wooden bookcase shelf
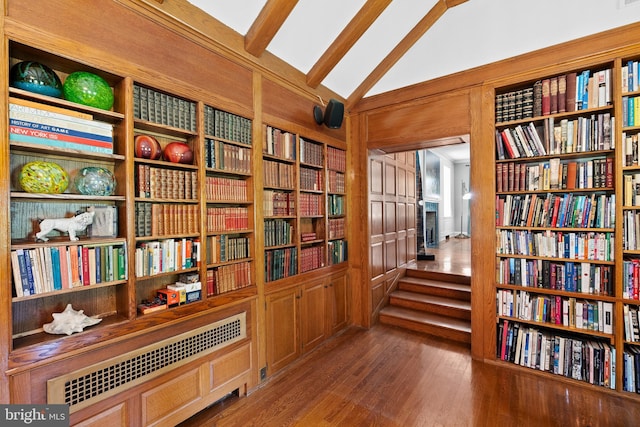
{"points": [[565, 290]]}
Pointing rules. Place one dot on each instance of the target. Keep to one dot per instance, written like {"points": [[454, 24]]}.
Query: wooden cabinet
{"points": [[301, 317]]}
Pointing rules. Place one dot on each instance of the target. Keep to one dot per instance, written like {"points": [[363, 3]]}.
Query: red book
{"points": [[609, 173], [553, 95], [516, 177], [499, 177], [546, 97], [571, 92], [562, 93], [571, 175], [85, 266]]}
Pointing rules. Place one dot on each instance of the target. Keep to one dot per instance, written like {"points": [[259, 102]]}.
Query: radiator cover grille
{"points": [[94, 383]]}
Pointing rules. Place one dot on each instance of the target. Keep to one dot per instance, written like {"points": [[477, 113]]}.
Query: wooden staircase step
{"points": [[436, 275], [459, 291], [429, 323], [432, 304]]}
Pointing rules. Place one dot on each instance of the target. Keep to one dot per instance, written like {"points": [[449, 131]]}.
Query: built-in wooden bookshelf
{"points": [[191, 214], [557, 298], [304, 204]]}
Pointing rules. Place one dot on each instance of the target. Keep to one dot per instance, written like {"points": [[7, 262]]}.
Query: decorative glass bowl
{"points": [[95, 181], [88, 89], [43, 177], [35, 77]]}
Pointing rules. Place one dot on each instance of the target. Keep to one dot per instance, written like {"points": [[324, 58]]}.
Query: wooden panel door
{"points": [[312, 314], [337, 303], [282, 328]]}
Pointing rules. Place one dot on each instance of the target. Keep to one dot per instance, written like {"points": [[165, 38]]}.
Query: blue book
{"points": [[570, 275], [30, 279], [24, 277], [55, 269], [585, 93], [98, 264], [58, 143]]}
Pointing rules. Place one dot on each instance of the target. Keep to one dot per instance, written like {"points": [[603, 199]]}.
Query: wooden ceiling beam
{"points": [[267, 24], [365, 17], [398, 52]]}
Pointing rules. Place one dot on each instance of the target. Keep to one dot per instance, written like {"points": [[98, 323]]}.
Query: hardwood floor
{"points": [[389, 377], [386, 376], [451, 256]]}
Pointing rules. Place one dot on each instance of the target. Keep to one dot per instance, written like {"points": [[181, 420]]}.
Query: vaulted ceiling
{"points": [[359, 48]]}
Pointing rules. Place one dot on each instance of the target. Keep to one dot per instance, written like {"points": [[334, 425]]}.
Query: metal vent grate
{"points": [[89, 385]]}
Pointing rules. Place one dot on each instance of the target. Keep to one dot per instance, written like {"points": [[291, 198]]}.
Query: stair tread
{"points": [[431, 299], [440, 276], [436, 283], [427, 318]]}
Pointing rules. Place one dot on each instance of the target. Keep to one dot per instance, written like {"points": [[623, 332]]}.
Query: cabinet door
{"points": [[282, 330], [312, 314], [338, 303]]}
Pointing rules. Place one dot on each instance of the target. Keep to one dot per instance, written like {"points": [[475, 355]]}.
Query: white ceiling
{"points": [[471, 34]]}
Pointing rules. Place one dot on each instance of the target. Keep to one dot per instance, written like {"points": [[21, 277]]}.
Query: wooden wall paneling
{"points": [[482, 181], [405, 127], [279, 101], [390, 251], [5, 230], [116, 416], [390, 179]]}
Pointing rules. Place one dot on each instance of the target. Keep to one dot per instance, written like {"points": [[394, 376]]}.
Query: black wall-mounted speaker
{"points": [[333, 114]]}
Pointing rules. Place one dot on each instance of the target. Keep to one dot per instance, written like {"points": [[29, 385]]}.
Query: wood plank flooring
{"points": [[389, 377]]}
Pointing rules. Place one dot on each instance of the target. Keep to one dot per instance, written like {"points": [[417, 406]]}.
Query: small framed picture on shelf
{"points": [[105, 221]]}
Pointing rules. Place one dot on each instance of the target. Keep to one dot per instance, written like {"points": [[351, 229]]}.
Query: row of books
{"points": [[279, 203], [336, 182], [162, 256], [279, 143], [310, 179], [33, 123], [228, 278], [336, 204], [631, 279], [311, 258], [630, 111], [568, 92], [337, 228], [336, 159], [629, 76], [552, 137], [154, 219], [225, 248], [227, 157], [228, 218], [556, 210], [517, 105], [556, 310], [158, 107], [227, 189], [311, 204], [579, 246], [278, 232], [631, 370], [337, 251], [278, 174], [280, 263], [569, 276], [52, 268], [631, 190], [162, 183], [631, 155], [631, 230], [555, 174], [311, 153], [308, 236], [222, 124], [593, 362], [631, 327]]}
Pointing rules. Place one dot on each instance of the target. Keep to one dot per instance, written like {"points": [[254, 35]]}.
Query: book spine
{"points": [[59, 143]]}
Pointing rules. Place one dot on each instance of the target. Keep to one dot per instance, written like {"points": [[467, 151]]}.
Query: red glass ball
{"points": [[147, 147], [178, 152]]}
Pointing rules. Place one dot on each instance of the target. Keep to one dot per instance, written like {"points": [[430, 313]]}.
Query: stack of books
{"points": [[56, 127]]}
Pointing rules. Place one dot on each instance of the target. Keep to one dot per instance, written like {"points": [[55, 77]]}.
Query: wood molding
{"points": [[365, 17], [394, 56], [267, 24]]}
